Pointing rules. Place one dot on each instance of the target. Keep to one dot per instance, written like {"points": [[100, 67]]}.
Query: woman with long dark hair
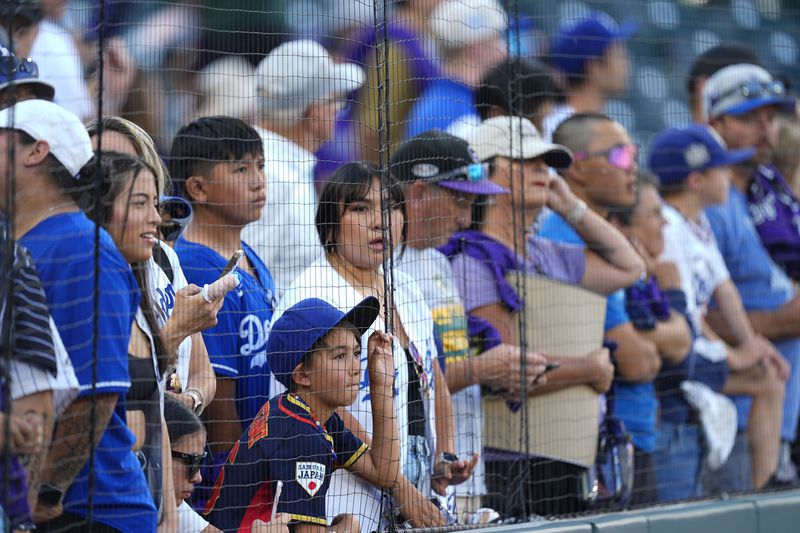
{"points": [[358, 236]]}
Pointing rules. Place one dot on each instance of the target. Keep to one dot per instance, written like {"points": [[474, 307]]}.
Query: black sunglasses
{"points": [[12, 64], [193, 462]]}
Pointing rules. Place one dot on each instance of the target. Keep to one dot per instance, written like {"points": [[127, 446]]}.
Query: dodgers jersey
{"points": [[237, 344], [284, 443]]}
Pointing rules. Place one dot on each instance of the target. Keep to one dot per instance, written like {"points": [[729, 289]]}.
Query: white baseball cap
{"points": [[45, 121], [516, 138], [298, 73], [458, 23]]}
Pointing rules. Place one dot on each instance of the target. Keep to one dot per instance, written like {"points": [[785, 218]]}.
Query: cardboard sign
{"points": [[564, 320]]}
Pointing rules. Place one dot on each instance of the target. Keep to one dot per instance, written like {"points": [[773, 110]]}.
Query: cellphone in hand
{"points": [[551, 366], [232, 263]]}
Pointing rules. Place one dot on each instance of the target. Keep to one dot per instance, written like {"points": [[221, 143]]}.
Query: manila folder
{"points": [[565, 320]]}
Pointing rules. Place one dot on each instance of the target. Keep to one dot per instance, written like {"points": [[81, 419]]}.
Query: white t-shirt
{"points": [[693, 248], [189, 521], [162, 292], [60, 65], [285, 237], [432, 272], [346, 492]]}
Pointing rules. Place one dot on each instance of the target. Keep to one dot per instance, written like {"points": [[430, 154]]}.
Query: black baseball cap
{"points": [[446, 160], [719, 57]]}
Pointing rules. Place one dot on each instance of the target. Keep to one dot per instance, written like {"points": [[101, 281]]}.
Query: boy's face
{"points": [[714, 185], [236, 190], [334, 369]]}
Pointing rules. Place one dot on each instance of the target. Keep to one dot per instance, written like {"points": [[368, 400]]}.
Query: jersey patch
{"points": [[310, 476]]}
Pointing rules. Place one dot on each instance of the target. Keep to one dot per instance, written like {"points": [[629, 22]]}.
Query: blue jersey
{"points": [[440, 106], [63, 249], [237, 344], [284, 443]]}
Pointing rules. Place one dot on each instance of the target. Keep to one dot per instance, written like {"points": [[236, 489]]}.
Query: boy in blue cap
{"points": [[694, 170], [284, 461]]}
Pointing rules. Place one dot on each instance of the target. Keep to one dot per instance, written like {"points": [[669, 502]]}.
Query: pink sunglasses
{"points": [[622, 156]]}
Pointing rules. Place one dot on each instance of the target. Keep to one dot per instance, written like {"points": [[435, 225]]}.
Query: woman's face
{"points": [[361, 241], [135, 218], [184, 477], [648, 222]]}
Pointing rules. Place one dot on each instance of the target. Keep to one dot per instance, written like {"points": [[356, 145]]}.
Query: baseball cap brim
{"points": [[347, 77], [42, 89], [732, 157], [554, 155], [362, 316], [785, 103], [482, 187]]}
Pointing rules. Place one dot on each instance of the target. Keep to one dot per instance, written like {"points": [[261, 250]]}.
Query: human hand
{"points": [[185, 399], [600, 360], [754, 350], [279, 524], [501, 369], [192, 313], [380, 359], [462, 470], [419, 511], [44, 513], [559, 196]]}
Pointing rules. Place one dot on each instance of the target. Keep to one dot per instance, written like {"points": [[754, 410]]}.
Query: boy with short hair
{"points": [[284, 461], [694, 170], [217, 163]]}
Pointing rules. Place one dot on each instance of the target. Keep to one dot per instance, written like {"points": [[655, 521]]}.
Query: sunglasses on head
{"points": [[180, 213], [622, 156], [753, 90], [193, 462], [10, 65], [471, 172]]}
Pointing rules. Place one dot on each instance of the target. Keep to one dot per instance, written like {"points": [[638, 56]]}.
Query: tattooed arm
{"points": [[38, 407], [71, 446]]}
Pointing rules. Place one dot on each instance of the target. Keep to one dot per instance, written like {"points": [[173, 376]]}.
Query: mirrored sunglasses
{"points": [[753, 90], [10, 65], [622, 156], [180, 212], [471, 172]]}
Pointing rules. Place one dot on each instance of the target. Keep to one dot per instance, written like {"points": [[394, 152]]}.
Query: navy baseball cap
{"points": [[303, 324], [676, 153], [445, 160], [22, 71], [587, 39]]}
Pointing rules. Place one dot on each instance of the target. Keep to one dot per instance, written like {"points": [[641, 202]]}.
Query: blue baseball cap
{"points": [[303, 324], [22, 71], [587, 39], [676, 153]]}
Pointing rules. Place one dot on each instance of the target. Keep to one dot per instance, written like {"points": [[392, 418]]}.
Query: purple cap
{"points": [[446, 160], [587, 39]]}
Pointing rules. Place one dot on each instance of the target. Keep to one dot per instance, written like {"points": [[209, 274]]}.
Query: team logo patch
{"points": [[310, 476]]}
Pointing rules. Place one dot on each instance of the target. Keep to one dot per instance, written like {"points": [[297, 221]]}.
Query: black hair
{"points": [[576, 132], [351, 183], [206, 142], [105, 178], [180, 420], [517, 87], [716, 58], [309, 355], [624, 215]]}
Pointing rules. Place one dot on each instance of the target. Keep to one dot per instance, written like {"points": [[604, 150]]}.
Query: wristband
{"points": [[198, 399], [577, 213]]}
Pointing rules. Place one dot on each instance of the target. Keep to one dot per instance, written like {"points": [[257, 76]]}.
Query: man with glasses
{"points": [[300, 92], [604, 175], [758, 227], [441, 176]]}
